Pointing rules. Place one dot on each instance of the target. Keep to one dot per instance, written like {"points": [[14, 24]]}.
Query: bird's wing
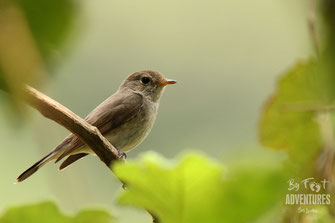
{"points": [[115, 111], [110, 114]]}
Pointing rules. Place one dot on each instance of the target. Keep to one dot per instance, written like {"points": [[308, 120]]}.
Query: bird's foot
{"points": [[122, 155]]}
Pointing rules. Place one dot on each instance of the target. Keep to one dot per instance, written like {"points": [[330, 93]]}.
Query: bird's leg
{"points": [[123, 155]]}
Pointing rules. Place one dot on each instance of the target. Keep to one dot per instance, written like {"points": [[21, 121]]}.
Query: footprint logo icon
{"points": [[316, 187]]}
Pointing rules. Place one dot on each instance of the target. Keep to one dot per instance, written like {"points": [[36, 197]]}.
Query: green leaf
{"points": [[32, 35], [290, 117], [194, 189], [47, 212], [50, 22]]}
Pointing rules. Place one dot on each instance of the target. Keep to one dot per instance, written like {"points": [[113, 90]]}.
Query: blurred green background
{"points": [[225, 55]]}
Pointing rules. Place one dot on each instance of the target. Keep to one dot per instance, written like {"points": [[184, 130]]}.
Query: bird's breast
{"points": [[135, 130]]}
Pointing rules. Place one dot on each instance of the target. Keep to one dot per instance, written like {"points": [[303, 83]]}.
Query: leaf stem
{"points": [[312, 26]]}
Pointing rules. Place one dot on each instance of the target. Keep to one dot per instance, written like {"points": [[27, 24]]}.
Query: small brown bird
{"points": [[125, 119]]}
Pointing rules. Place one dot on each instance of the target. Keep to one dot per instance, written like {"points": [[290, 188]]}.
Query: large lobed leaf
{"points": [[194, 190], [290, 117], [47, 212]]}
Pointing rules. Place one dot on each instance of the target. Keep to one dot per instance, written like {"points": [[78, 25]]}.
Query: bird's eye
{"points": [[145, 80]]}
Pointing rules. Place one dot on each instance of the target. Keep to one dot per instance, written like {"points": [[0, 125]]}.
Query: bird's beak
{"points": [[167, 82]]}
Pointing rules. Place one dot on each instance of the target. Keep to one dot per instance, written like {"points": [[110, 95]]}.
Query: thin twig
{"points": [[308, 106], [312, 26]]}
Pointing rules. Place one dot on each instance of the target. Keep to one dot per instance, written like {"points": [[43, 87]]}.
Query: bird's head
{"points": [[150, 83]]}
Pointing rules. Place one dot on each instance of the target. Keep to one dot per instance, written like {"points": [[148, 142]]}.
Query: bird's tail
{"points": [[31, 170], [54, 154]]}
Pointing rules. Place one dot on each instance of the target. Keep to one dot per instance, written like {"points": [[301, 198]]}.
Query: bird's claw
{"points": [[122, 155]]}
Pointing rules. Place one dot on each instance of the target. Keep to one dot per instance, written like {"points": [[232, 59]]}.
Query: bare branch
{"points": [[89, 134]]}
